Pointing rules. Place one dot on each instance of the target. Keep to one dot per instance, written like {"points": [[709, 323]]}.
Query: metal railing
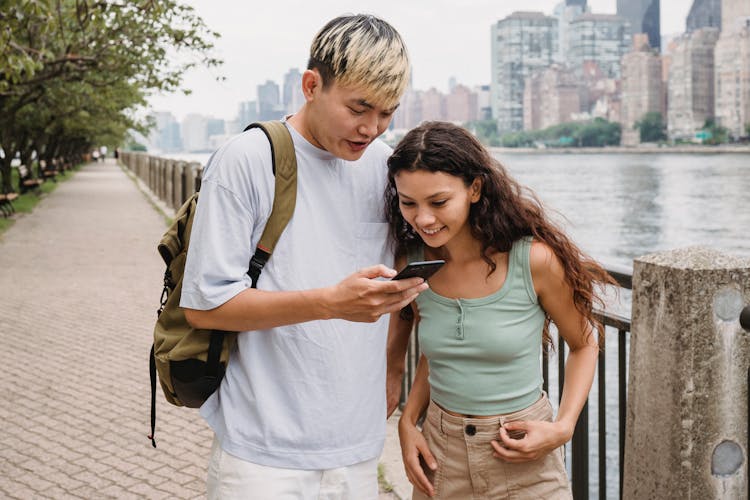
{"points": [[579, 466]]}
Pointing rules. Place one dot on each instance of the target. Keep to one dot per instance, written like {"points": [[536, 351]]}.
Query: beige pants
{"points": [[467, 470], [231, 478]]}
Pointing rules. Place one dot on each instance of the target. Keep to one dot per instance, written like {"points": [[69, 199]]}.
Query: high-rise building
{"points": [[293, 99], [247, 113], [732, 77], [461, 104], [565, 12], [704, 14], [551, 96], [644, 17], [641, 87], [165, 136], [599, 38], [734, 14], [522, 43], [269, 102], [433, 105], [484, 109], [691, 83], [409, 113], [195, 133]]}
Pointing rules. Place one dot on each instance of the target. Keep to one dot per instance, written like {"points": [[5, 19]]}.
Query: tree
{"points": [[652, 127], [485, 130], [73, 73], [715, 134], [595, 133]]}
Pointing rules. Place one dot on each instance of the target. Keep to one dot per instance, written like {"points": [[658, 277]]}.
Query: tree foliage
{"points": [[485, 131], [594, 133], [715, 133], [74, 73], [652, 127]]}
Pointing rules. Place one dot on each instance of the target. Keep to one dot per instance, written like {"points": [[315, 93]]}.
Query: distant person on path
{"points": [[489, 432], [301, 410]]}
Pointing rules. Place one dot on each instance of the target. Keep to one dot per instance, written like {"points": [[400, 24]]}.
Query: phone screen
{"points": [[422, 269]]}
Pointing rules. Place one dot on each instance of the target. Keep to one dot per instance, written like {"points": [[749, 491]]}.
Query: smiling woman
{"points": [[483, 322]]}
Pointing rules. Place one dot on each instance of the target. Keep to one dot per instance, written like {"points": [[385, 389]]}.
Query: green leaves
{"points": [[80, 69], [593, 133], [652, 127]]}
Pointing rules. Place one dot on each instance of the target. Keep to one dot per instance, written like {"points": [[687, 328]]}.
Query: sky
{"points": [[263, 40]]}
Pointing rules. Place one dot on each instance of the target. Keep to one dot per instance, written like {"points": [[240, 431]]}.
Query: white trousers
{"points": [[231, 478]]}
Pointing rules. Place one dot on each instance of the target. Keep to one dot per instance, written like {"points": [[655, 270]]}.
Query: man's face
{"points": [[343, 122]]}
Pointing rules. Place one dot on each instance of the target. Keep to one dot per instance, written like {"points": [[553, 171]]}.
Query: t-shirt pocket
{"points": [[373, 244]]}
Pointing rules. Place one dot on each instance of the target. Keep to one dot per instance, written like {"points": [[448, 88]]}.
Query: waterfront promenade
{"points": [[80, 280]]}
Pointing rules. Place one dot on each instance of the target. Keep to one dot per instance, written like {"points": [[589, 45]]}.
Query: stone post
{"points": [[190, 172], [177, 168], [687, 409], [168, 196], [152, 174], [162, 169]]}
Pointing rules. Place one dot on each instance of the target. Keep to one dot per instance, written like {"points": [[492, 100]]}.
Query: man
{"points": [[301, 410]]}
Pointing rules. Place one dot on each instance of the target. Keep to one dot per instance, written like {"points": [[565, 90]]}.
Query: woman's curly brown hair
{"points": [[505, 212]]}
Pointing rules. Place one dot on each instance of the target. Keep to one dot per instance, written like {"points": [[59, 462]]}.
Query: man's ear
{"points": [[311, 82]]}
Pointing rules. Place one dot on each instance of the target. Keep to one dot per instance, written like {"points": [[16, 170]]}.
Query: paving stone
{"points": [[81, 278]]}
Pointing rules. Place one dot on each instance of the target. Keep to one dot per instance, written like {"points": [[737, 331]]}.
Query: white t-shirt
{"points": [[310, 395]]}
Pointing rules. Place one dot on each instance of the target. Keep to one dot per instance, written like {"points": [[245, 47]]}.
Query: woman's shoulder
{"points": [[546, 267]]}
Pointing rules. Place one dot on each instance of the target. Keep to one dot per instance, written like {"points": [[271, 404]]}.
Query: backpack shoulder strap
{"points": [[285, 192]]}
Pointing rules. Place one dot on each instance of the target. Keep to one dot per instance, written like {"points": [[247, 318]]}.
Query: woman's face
{"points": [[436, 204]]}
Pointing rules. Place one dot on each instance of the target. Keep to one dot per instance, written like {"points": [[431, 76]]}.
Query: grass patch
{"points": [[383, 483]]}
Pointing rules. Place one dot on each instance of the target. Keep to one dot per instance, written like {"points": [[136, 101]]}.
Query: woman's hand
{"points": [[540, 438], [414, 445]]}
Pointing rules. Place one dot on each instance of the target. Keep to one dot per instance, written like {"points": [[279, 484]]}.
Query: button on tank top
{"points": [[485, 354]]}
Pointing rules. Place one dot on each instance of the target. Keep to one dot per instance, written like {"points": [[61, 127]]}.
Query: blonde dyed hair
{"points": [[364, 52]]}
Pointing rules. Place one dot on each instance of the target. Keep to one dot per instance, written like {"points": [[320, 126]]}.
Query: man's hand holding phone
{"points": [[364, 298]]}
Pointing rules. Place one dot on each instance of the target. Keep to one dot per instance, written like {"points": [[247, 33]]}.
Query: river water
{"points": [[621, 206]]}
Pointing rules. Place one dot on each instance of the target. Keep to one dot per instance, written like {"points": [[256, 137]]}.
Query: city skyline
{"points": [[439, 35]]}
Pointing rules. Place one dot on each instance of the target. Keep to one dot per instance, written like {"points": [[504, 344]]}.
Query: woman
{"points": [[489, 430]]}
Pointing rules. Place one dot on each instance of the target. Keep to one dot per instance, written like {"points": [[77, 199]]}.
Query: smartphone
{"points": [[422, 269]]}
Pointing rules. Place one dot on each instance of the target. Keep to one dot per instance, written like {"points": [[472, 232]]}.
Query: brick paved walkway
{"points": [[79, 287]]}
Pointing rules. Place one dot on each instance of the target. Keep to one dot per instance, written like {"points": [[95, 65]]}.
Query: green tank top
{"points": [[485, 354]]}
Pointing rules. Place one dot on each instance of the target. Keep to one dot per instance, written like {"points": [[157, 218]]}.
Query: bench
{"points": [[48, 170], [27, 182], [6, 203]]}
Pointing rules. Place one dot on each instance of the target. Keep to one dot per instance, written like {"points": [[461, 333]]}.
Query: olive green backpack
{"points": [[191, 362]]}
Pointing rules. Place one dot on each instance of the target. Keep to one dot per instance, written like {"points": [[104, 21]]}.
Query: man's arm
{"points": [[358, 297]]}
